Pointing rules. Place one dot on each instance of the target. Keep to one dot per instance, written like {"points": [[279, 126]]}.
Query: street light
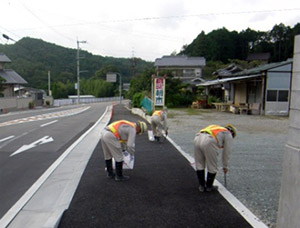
{"points": [[78, 70], [7, 37]]}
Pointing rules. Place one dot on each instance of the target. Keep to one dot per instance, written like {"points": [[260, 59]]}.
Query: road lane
{"points": [[18, 171]]}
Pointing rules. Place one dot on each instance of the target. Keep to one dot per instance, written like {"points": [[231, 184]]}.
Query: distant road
{"points": [[30, 141]]}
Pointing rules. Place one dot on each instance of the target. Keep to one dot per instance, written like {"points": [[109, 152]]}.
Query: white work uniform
{"points": [[159, 123], [206, 149], [111, 145]]}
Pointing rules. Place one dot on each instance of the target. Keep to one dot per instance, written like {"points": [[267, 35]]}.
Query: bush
{"points": [[213, 99], [137, 99], [30, 105]]}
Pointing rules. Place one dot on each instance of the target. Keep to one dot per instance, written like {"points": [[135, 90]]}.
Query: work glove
{"points": [[225, 170]]}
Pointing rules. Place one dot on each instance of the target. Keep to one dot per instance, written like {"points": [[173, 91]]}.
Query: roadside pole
{"points": [[289, 202]]}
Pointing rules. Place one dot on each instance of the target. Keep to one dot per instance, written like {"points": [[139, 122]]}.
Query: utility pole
{"points": [[78, 70], [49, 88]]}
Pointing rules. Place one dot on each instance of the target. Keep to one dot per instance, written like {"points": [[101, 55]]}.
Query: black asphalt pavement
{"points": [[162, 192]]}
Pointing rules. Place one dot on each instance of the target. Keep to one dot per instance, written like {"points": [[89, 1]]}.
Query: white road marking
{"points": [[241, 208], [69, 112], [9, 137], [46, 124], [16, 208], [41, 141]]}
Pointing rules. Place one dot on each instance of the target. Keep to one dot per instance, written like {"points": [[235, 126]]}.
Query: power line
{"points": [[43, 22], [182, 16]]}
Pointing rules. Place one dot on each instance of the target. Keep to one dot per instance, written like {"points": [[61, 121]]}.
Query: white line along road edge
{"points": [[17, 207], [241, 208]]}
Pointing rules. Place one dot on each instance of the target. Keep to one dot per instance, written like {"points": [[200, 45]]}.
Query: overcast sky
{"points": [[145, 29]]}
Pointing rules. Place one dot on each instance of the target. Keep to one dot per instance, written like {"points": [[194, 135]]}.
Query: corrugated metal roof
{"points": [[224, 80], [262, 68], [4, 58], [246, 74], [11, 77], [180, 61]]}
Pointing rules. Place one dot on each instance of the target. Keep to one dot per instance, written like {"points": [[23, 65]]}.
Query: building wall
{"points": [[240, 93], [13, 103], [289, 203], [278, 83], [8, 91]]}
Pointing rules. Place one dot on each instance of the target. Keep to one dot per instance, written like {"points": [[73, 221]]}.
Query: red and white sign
{"points": [[159, 91]]}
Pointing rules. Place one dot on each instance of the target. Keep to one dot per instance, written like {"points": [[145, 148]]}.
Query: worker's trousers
{"points": [[111, 146], [206, 152], [156, 125]]}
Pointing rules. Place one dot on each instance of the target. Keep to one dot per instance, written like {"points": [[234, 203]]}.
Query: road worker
{"points": [[159, 123], [207, 144], [115, 134]]}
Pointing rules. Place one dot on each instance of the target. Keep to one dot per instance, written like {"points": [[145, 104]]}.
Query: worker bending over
{"points": [[118, 132], [159, 123], [207, 144]]}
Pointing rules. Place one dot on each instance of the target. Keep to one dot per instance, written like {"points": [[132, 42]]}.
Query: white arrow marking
{"points": [[9, 137], [41, 141]]}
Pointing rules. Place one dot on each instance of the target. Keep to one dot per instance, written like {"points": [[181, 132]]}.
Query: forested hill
{"points": [[33, 58], [223, 45]]}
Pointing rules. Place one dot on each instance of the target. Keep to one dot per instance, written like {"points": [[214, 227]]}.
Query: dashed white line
{"points": [[46, 124], [7, 138]]}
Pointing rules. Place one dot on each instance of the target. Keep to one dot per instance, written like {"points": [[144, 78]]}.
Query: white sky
{"points": [[145, 29]]}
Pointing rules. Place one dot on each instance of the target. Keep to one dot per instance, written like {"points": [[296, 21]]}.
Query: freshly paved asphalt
{"points": [[162, 192]]}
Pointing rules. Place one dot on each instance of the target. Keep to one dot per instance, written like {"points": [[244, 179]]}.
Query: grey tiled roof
{"points": [[4, 58], [11, 77], [180, 61]]}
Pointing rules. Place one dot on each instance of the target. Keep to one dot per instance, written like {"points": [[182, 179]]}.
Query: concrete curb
{"points": [[44, 203]]}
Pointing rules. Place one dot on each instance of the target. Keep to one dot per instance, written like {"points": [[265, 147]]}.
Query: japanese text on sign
{"points": [[159, 91]]}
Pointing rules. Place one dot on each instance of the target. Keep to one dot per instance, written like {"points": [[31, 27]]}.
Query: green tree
{"points": [[101, 74], [141, 83], [97, 87]]}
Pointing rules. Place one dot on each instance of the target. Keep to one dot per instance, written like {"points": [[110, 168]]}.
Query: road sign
{"points": [[111, 77]]}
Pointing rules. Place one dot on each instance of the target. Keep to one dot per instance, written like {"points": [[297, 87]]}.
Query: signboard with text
{"points": [[111, 77], [159, 86]]}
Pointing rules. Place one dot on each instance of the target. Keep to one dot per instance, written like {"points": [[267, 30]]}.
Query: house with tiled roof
{"points": [[188, 69], [10, 78]]}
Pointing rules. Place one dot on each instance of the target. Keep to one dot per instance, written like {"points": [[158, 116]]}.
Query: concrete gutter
{"points": [[43, 204]]}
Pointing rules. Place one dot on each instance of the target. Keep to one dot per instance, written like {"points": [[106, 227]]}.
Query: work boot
{"points": [[210, 180], [201, 179], [109, 168], [119, 172]]}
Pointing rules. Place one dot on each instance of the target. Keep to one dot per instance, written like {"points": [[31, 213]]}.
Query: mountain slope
{"points": [[33, 58]]}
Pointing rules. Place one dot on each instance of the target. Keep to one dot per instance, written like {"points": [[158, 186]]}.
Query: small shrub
{"points": [[30, 105]]}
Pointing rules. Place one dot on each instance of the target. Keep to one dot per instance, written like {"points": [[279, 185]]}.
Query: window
{"points": [[278, 95], [283, 95], [272, 95]]}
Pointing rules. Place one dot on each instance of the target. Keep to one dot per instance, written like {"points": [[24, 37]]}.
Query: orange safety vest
{"points": [[158, 113], [114, 127], [213, 130]]}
